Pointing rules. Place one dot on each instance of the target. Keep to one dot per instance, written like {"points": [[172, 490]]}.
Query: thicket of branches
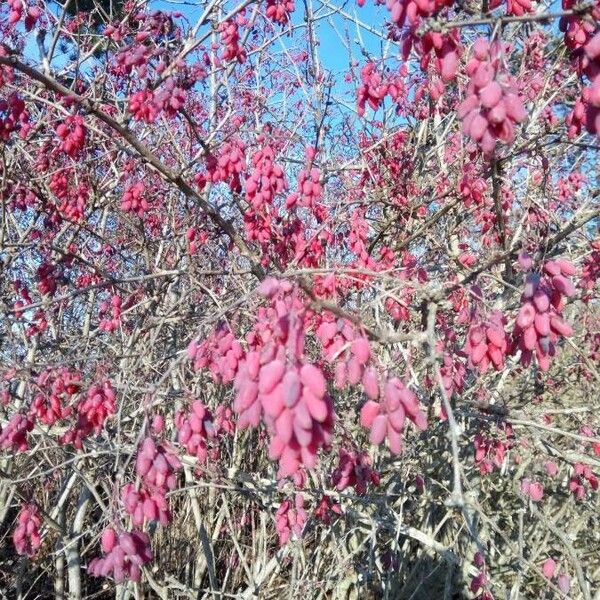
{"points": [[299, 299]]}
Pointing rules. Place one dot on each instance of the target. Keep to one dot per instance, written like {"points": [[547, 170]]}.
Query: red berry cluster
{"points": [[13, 117], [133, 57], [53, 401], [230, 38], [110, 314], [266, 180], [399, 311], [17, 7], [444, 46], [310, 189], [277, 382], [124, 555], [374, 88], [46, 279], [290, 519], [492, 107], [516, 8], [195, 429], [351, 354], [280, 11], [170, 98], [453, 373], [230, 164], [326, 510], [73, 197], [488, 343], [490, 450], [220, 353], [26, 536], [73, 205], [224, 423], [134, 199], [532, 489], [157, 469], [355, 470], [59, 184], [387, 418], [581, 478], [22, 198], [414, 10], [142, 106], [98, 405], [472, 188], [298, 411], [247, 403], [156, 465], [590, 270], [195, 239], [577, 29], [14, 434], [72, 134], [480, 581], [259, 227], [539, 323]]}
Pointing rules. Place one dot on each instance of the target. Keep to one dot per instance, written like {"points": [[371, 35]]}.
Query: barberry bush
{"points": [[299, 299]]}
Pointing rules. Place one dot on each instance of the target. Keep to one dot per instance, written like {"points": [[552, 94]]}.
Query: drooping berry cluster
{"points": [[445, 48], [17, 8], [354, 469], [72, 133], [516, 8], [13, 117], [229, 165], [481, 580], [279, 11], [492, 107], [230, 38], [488, 343], [142, 106], [266, 180], [46, 279], [539, 323], [327, 509], [310, 189], [414, 10], [276, 382], [170, 98], [387, 418], [490, 449], [134, 199], [124, 555], [26, 536], [374, 88], [453, 373], [578, 30], [110, 314], [220, 353], [98, 405], [157, 468], [195, 429], [290, 519], [53, 401], [349, 351], [14, 434], [532, 489], [581, 478], [92, 412]]}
